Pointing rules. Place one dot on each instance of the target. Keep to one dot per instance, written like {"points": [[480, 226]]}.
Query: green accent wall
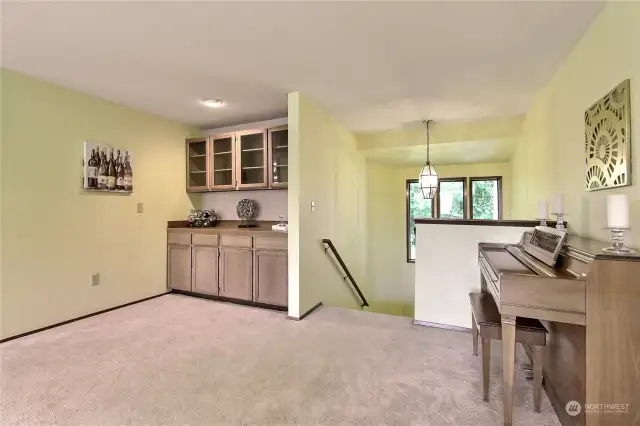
{"points": [[53, 234]]}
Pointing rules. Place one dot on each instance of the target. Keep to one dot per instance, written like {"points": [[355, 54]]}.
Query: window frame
{"points": [[498, 179], [465, 197], [407, 235]]}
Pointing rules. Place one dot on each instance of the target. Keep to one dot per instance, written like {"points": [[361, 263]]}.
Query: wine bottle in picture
{"points": [[102, 172], [131, 173], [111, 174], [105, 160], [117, 160], [128, 175], [92, 170], [120, 175]]}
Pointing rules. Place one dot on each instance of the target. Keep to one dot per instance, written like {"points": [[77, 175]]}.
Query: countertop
{"points": [[226, 227]]}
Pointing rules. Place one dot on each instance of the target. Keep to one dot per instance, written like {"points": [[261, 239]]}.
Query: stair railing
{"points": [[328, 245]]}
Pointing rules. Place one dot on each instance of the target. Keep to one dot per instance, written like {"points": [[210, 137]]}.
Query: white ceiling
{"points": [[463, 152], [374, 65]]}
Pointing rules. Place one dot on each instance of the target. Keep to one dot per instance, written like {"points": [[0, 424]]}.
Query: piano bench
{"points": [[486, 322]]}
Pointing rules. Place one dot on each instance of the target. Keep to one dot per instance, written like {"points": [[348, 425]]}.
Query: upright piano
{"points": [[589, 301]]}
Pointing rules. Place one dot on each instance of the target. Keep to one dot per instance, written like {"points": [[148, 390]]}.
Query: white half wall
{"points": [[446, 269]]}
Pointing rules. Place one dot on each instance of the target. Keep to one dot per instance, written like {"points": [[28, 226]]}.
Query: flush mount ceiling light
{"points": [[212, 103], [428, 177]]}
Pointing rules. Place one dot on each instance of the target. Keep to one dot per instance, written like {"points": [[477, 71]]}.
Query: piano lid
{"points": [[545, 244], [589, 249]]}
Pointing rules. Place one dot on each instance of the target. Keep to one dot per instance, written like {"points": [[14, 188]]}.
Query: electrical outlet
{"points": [[95, 279], [140, 208]]}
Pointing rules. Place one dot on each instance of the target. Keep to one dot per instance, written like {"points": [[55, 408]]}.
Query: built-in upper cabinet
{"points": [[223, 161], [198, 164], [278, 156], [248, 159], [251, 168]]}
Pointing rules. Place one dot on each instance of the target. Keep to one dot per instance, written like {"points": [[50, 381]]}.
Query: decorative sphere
{"points": [[247, 209]]}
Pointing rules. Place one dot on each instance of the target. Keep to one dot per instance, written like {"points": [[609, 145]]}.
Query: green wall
{"points": [[54, 235]]}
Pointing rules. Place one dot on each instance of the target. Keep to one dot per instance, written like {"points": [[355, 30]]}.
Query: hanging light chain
{"points": [[427, 132]]}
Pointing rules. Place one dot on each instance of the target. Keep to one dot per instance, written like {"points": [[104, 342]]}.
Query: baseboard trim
{"points": [[104, 311], [306, 314], [230, 300], [442, 326]]}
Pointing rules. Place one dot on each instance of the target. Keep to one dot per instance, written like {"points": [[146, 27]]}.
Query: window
{"points": [[484, 201], [417, 207], [486, 197], [452, 194]]}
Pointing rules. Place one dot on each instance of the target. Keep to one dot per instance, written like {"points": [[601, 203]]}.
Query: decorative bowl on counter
{"points": [[202, 218]]}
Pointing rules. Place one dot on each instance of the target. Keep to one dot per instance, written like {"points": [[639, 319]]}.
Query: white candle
{"points": [[617, 211], [557, 203], [543, 209]]}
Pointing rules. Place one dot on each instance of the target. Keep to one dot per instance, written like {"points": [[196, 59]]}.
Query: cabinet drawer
{"points": [[205, 240], [178, 238], [273, 243], [235, 241]]}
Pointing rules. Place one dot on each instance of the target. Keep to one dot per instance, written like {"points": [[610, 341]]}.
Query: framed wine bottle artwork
{"points": [[107, 169]]}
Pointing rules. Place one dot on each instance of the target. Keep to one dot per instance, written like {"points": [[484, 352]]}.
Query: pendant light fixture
{"points": [[428, 176]]}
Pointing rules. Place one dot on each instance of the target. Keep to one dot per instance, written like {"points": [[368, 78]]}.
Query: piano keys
{"points": [[579, 293]]}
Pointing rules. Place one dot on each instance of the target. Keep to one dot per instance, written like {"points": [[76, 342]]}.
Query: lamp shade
{"points": [[428, 181]]}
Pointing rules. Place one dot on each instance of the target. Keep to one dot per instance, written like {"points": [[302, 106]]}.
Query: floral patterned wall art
{"points": [[607, 138]]}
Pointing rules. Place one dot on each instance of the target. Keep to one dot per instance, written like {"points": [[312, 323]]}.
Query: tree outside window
{"points": [[486, 198]]}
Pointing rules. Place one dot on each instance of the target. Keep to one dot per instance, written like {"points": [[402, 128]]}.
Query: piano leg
{"points": [[474, 335], [508, 365], [538, 360], [486, 363]]}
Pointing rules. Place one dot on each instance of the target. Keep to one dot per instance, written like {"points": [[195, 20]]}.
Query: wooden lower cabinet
{"points": [[270, 273], [179, 267], [241, 267], [236, 273], [204, 269]]}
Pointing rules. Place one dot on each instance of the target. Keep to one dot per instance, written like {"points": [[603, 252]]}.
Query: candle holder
{"points": [[543, 222], [559, 221], [617, 242]]}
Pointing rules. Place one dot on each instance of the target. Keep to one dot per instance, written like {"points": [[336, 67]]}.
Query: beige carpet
{"points": [[177, 360]]}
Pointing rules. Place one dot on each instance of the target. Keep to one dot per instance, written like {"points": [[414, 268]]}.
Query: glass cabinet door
{"points": [[197, 173], [251, 159], [278, 157], [223, 156]]}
